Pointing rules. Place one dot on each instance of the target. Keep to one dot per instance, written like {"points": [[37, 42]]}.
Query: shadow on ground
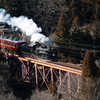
{"points": [[22, 91]]}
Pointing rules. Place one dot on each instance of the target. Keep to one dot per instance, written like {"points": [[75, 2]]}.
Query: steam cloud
{"points": [[28, 26]]}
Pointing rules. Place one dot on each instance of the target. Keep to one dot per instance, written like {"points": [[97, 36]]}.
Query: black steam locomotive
{"points": [[20, 47], [39, 51]]}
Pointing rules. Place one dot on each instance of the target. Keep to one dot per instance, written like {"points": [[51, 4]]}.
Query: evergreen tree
{"points": [[76, 23], [88, 9], [52, 88], [74, 8], [89, 68], [16, 7], [61, 31], [86, 37], [90, 84], [77, 32]]}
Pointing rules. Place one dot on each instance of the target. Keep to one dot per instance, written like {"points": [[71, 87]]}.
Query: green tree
{"points": [[89, 68], [16, 7], [77, 32], [74, 8], [86, 37], [88, 9], [61, 31], [90, 82], [76, 23]]}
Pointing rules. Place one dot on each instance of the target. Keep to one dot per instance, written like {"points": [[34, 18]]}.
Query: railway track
{"points": [[73, 68], [76, 66]]}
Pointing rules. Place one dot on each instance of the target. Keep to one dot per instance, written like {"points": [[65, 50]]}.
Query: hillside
{"points": [[44, 12]]}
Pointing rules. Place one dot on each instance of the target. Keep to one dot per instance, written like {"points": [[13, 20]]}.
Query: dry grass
{"points": [[43, 95], [90, 88]]}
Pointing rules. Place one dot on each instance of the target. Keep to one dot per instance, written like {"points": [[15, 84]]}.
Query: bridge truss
{"points": [[40, 73]]}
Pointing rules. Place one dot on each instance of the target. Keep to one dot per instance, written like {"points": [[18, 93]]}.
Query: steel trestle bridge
{"points": [[66, 77]]}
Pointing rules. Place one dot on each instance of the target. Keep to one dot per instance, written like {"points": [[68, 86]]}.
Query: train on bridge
{"points": [[21, 47]]}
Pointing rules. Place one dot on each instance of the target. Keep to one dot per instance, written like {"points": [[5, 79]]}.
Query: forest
{"points": [[81, 17], [71, 24]]}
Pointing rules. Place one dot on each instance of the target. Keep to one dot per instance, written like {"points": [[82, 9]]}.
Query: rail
{"points": [[69, 67]]}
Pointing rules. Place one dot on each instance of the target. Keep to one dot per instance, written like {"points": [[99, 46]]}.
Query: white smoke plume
{"points": [[28, 26], [40, 38]]}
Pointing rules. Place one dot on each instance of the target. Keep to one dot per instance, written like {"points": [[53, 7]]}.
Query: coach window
{"points": [[15, 45], [8, 43], [3, 42], [11, 44]]}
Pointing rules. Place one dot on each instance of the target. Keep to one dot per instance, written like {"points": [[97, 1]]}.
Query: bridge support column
{"points": [[36, 74], [43, 74], [22, 67], [69, 91], [6, 54], [52, 77], [28, 69], [60, 77], [78, 83]]}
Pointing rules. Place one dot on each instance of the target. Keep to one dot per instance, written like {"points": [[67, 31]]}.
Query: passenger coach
{"points": [[10, 43]]}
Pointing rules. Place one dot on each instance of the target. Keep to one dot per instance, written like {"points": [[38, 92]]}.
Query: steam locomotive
{"points": [[20, 47]]}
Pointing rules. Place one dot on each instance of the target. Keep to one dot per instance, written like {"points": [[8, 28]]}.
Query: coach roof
{"points": [[12, 40]]}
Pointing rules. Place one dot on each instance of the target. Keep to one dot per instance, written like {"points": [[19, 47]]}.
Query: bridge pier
{"points": [[36, 74]]}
